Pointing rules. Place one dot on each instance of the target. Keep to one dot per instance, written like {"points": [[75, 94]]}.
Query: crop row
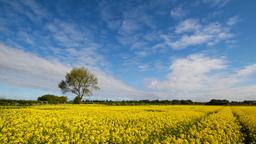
{"points": [[219, 127], [247, 116]]}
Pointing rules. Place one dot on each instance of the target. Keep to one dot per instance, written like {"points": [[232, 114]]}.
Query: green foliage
{"points": [[80, 82], [8, 102], [218, 102], [144, 102], [52, 99], [77, 100]]}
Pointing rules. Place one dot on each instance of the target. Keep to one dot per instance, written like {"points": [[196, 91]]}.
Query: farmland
{"points": [[128, 124]]}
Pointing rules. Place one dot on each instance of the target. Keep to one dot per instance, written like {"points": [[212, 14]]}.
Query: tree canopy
{"points": [[79, 81]]}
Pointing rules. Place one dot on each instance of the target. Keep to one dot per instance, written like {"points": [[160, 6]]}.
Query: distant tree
{"points": [[52, 99], [218, 102], [80, 82], [186, 102], [77, 100]]}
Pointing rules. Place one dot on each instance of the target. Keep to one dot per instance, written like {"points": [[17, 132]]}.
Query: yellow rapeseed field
{"points": [[247, 116], [127, 124]]}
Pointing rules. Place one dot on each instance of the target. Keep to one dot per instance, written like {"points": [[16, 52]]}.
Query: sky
{"points": [[138, 49]]}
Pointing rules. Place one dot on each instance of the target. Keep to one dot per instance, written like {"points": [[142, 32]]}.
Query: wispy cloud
{"points": [[192, 32], [233, 20], [111, 14], [178, 12], [216, 2], [68, 34], [213, 3], [143, 67]]}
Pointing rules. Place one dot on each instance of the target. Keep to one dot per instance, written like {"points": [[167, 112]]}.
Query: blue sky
{"points": [[166, 49]]}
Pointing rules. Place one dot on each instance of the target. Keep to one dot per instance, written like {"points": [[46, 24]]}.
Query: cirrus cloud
{"points": [[192, 32]]}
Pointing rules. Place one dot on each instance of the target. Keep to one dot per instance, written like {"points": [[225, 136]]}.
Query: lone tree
{"points": [[80, 82]]}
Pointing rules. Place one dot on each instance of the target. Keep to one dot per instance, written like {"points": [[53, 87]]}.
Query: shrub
{"points": [[52, 99]]}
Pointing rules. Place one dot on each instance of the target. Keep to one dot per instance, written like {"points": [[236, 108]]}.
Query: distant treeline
{"points": [[8, 102], [142, 102], [52, 99], [45, 99], [171, 102]]}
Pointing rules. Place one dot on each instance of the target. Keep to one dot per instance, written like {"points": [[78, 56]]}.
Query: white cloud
{"points": [[28, 70], [192, 32], [177, 12], [248, 70], [233, 20], [129, 26], [143, 67], [188, 25], [200, 77], [84, 56], [25, 69], [216, 3]]}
